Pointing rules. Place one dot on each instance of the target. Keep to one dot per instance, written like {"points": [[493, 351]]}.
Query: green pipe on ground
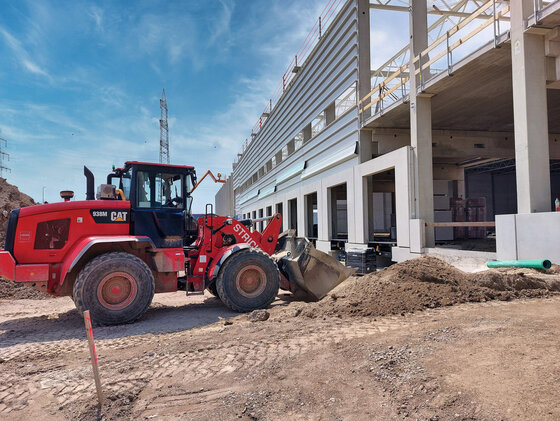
{"points": [[535, 264]]}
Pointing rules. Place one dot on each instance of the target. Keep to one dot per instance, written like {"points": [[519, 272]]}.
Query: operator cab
{"points": [[160, 200]]}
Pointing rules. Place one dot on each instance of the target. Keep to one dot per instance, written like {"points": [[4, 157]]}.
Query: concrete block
{"points": [[506, 238], [324, 246], [350, 246], [417, 235], [400, 254], [538, 236]]}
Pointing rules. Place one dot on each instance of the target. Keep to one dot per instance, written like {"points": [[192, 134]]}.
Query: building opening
{"points": [[381, 215], [382, 226], [292, 214], [279, 209], [339, 216], [311, 216], [268, 213]]}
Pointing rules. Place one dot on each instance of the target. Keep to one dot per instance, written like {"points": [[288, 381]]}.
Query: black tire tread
{"points": [[79, 284], [212, 289], [219, 285]]}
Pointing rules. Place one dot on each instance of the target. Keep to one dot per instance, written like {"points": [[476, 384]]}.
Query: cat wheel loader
{"points": [[138, 237]]}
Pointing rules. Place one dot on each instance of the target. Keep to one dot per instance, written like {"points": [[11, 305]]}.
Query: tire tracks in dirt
{"points": [[66, 385]]}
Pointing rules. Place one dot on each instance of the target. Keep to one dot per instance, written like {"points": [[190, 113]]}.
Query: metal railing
{"points": [[391, 87]]}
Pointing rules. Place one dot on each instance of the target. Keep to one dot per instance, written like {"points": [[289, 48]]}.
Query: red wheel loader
{"points": [[112, 252]]}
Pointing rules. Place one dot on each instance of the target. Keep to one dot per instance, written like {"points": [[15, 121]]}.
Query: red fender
{"points": [[81, 247], [221, 257], [7, 265]]}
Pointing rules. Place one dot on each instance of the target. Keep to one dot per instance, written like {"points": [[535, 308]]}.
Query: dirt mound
{"points": [[519, 279], [10, 198], [427, 282], [15, 291]]}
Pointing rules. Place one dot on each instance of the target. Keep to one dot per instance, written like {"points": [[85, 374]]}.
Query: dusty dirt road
{"points": [[480, 361]]}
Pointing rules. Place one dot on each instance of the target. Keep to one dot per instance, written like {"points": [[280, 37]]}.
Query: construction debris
{"points": [[258, 316]]}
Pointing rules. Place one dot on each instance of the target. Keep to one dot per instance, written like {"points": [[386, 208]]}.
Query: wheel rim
{"points": [[117, 290], [251, 281]]}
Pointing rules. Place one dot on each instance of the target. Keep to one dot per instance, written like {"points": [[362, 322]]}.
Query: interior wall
{"points": [[499, 189]]}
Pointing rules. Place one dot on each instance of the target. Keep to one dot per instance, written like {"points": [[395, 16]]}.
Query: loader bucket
{"points": [[307, 269]]}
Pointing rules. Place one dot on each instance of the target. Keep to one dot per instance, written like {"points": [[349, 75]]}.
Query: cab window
{"points": [[159, 190], [125, 185]]}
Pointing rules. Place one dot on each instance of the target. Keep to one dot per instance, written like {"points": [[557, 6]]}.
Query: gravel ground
{"points": [[190, 358]]}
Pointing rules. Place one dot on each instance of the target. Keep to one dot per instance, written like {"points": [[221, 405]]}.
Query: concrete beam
{"points": [[530, 113]]}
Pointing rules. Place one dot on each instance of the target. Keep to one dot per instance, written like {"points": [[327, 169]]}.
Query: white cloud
{"points": [[96, 14], [222, 25], [22, 55]]}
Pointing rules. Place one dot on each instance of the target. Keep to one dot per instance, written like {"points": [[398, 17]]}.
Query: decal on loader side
{"points": [[110, 216], [245, 236]]}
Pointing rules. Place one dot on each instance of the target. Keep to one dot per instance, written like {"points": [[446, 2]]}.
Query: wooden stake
{"points": [[93, 355]]}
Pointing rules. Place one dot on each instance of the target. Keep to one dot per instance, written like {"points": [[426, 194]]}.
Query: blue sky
{"points": [[80, 83]]}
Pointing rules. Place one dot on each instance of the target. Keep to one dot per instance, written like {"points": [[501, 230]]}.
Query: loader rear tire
{"points": [[116, 287], [248, 280]]}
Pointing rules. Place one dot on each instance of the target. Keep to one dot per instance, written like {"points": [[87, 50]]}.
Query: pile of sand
{"points": [[10, 198], [428, 282]]}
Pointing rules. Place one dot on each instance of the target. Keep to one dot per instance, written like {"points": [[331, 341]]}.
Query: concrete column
{"points": [[530, 113], [301, 216], [364, 51], [351, 206], [285, 225], [358, 219], [330, 113], [461, 186], [307, 132], [366, 149], [421, 123], [323, 242]]}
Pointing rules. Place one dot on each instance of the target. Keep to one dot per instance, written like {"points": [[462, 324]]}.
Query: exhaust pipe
{"points": [[90, 184]]}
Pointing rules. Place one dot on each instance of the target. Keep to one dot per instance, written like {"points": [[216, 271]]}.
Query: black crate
{"points": [[363, 260]]}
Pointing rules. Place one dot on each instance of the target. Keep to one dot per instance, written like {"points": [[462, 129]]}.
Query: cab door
{"points": [[159, 206]]}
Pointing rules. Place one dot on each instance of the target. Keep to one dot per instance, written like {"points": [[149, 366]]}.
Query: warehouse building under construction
{"points": [[450, 146]]}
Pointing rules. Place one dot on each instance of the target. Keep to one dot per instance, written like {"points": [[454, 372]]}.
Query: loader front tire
{"points": [[212, 289], [248, 280], [116, 287]]}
